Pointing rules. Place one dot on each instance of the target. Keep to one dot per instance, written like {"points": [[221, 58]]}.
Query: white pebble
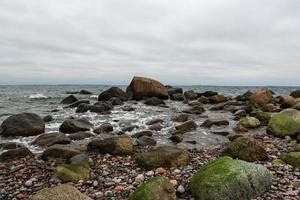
{"points": [[180, 189], [28, 183]]}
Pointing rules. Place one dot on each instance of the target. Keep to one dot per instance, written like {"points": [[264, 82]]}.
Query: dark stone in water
{"points": [[177, 97], [190, 95], [80, 135], [48, 118], [69, 99], [180, 118], [217, 99], [186, 126], [59, 151], [129, 128], [75, 125], [154, 121], [154, 101], [223, 133], [104, 128], [116, 101], [176, 138], [210, 122], [197, 110], [173, 91], [77, 103], [207, 94], [112, 92], [85, 92], [99, 108], [146, 141], [49, 139], [142, 133]]}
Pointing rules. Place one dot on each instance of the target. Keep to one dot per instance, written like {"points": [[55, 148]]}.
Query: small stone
{"points": [[177, 171], [174, 182], [119, 188], [28, 183], [95, 183], [99, 195], [139, 178], [160, 170], [180, 189], [150, 173]]}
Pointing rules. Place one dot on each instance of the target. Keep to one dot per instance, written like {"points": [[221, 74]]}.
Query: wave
{"points": [[38, 96]]}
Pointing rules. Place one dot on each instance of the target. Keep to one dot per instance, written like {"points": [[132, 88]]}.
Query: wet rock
{"points": [[98, 108], [176, 138], [120, 145], [261, 96], [293, 158], [172, 91], [23, 124], [297, 106], [154, 101], [78, 169], [217, 99], [225, 179], [288, 101], [246, 148], [195, 103], [49, 139], [129, 128], [177, 97], [197, 110], [10, 145], [163, 156], [104, 128], [190, 95], [223, 133], [127, 108], [116, 101], [240, 129], [203, 100], [69, 100], [180, 118], [269, 108], [250, 122], [59, 151], [155, 127], [295, 94], [112, 92], [85, 92], [240, 114], [208, 94], [249, 106], [217, 122], [186, 126], [154, 121], [77, 103], [141, 87], [64, 191], [146, 141], [142, 133], [80, 135], [75, 125], [156, 188], [48, 118], [15, 154], [263, 117], [285, 123], [244, 97]]}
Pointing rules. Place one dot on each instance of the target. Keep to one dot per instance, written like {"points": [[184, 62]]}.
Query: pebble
{"points": [[150, 173], [28, 183], [160, 170], [95, 183], [99, 195], [140, 178], [180, 189]]}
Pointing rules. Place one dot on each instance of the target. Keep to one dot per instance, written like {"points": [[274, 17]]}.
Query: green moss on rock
{"points": [[293, 158], [229, 179], [285, 123], [156, 188], [250, 122], [163, 156]]}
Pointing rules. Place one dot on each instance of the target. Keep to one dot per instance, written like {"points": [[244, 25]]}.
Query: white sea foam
{"points": [[38, 96]]}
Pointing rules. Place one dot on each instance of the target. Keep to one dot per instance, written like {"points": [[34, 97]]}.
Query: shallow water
{"points": [[43, 99]]}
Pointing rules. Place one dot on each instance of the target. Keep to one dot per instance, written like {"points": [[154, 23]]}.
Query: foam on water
{"points": [[38, 96]]}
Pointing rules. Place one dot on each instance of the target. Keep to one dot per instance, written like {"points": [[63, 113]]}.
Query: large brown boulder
{"points": [[23, 124], [261, 96], [288, 101], [141, 87], [112, 92]]}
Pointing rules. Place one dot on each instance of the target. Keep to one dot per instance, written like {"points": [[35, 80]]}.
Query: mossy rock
{"points": [[229, 179], [163, 156], [156, 188], [250, 122], [278, 162], [79, 169], [263, 117], [120, 145], [246, 148], [297, 148], [285, 123], [293, 158]]}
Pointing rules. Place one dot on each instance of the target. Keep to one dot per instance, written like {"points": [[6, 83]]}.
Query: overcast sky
{"points": [[207, 42]]}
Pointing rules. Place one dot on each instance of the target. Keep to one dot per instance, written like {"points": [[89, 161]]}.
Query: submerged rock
{"points": [[85, 92], [229, 179], [177, 97], [49, 139], [186, 127], [141, 87], [120, 145], [77, 103], [210, 122], [246, 148], [75, 125], [285, 123], [48, 118], [99, 108], [154, 101], [23, 124], [157, 188], [180, 118], [112, 92], [163, 156], [197, 110], [64, 191], [69, 100], [142, 133], [104, 128]]}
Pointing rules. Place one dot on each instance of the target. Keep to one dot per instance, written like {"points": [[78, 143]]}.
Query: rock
{"points": [[223, 133], [112, 92], [85, 92], [249, 106], [240, 114], [116, 101], [298, 139], [154, 121], [99, 108], [141, 87], [69, 99], [154, 101], [127, 108], [163, 156], [197, 110], [297, 106], [246, 148], [15, 154], [146, 141], [190, 95], [129, 128], [104, 128], [75, 125], [180, 189], [177, 97], [80, 135], [217, 99], [285, 123], [48, 118], [288, 101], [77, 103], [186, 126], [176, 138], [23, 124], [293, 158], [180, 118], [10, 145], [120, 145], [208, 94], [250, 122], [28, 183], [78, 169], [263, 117], [195, 103], [210, 122], [228, 179], [269, 107], [239, 128], [203, 100], [295, 94], [297, 148], [156, 188], [261, 96], [172, 91], [49, 139], [64, 191], [142, 133], [155, 127], [244, 97], [59, 151]]}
